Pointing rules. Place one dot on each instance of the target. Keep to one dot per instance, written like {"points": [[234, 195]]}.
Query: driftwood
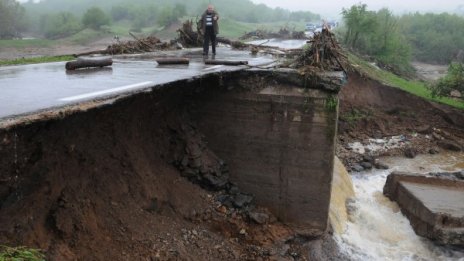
{"points": [[140, 45], [172, 60], [283, 33], [324, 54], [189, 38], [226, 62], [88, 63]]}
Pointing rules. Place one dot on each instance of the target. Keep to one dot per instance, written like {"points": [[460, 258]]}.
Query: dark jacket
{"points": [[215, 22]]}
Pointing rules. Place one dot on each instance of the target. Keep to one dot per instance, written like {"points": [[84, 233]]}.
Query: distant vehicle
{"points": [[310, 27]]}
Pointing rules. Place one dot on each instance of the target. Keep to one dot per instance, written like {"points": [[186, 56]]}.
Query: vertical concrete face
{"points": [[278, 140]]}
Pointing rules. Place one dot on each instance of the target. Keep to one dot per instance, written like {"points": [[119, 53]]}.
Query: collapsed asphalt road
{"points": [[31, 88]]}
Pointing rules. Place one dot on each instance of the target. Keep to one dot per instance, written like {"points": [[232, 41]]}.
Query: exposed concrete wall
{"points": [[278, 140]]}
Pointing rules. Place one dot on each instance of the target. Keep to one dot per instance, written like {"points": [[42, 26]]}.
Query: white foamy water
{"points": [[377, 230]]}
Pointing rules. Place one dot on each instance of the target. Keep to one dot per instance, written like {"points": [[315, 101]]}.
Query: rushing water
{"points": [[377, 230]]}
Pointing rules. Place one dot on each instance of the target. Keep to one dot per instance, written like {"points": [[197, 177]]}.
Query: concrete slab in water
{"points": [[434, 204]]}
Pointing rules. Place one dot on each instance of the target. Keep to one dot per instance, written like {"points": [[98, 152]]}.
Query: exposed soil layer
{"points": [[371, 110], [106, 184]]}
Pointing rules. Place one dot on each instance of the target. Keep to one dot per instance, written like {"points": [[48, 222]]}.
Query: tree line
{"points": [[61, 18], [394, 41]]}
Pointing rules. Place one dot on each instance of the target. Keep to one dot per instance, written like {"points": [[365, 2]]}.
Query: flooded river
{"points": [[377, 230]]}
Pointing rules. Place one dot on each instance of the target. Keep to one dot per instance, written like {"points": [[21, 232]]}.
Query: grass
{"points": [[86, 36], [417, 88], [25, 43], [44, 59], [20, 254]]}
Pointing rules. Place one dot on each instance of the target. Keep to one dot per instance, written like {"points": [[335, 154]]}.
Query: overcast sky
{"points": [[331, 8]]}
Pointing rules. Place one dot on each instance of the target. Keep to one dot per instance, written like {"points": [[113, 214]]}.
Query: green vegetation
{"points": [[12, 21], [61, 18], [25, 43], [376, 34], [20, 254], [435, 38], [169, 15], [86, 36], [60, 25], [415, 87], [44, 59], [454, 80], [331, 103], [393, 41], [355, 115], [95, 18]]}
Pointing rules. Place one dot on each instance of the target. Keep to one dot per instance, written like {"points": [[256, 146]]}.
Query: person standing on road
{"points": [[210, 28]]}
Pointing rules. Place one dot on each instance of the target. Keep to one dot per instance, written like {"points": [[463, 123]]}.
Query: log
{"points": [[226, 62], [172, 60], [88, 63]]}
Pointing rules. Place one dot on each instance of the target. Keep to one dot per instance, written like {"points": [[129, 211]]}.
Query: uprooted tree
{"points": [[323, 54]]}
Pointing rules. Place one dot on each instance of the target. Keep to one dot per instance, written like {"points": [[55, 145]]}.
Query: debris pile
{"points": [[283, 33], [139, 45], [323, 54], [190, 38]]}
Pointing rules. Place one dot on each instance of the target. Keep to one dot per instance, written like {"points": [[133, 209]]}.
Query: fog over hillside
{"points": [[333, 8]]}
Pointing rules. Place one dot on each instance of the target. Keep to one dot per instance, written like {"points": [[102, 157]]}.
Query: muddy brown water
{"points": [[377, 230]]}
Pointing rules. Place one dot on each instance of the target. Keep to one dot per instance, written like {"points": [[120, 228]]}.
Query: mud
{"points": [[371, 110]]}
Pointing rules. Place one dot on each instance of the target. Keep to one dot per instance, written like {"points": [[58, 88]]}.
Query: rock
{"points": [[380, 165], [240, 200], [437, 136], [357, 168], [367, 158], [433, 151], [410, 153], [189, 173], [184, 162], [366, 165], [233, 190], [215, 182], [455, 94], [459, 175], [425, 129], [196, 163], [449, 145], [260, 218]]}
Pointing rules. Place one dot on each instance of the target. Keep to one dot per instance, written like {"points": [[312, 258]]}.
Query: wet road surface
{"points": [[29, 88]]}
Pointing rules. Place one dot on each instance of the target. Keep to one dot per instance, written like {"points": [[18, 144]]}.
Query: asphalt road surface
{"points": [[27, 89]]}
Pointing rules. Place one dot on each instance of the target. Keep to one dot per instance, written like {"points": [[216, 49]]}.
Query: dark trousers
{"points": [[209, 35]]}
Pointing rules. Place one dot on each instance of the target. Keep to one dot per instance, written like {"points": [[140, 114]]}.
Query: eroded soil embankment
{"points": [[371, 110], [103, 185]]}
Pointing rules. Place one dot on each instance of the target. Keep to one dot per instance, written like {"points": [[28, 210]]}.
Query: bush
{"points": [[12, 21], [20, 254], [94, 18], [60, 25], [454, 80]]}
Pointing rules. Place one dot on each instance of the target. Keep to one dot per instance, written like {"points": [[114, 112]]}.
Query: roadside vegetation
{"points": [[392, 42], [42, 59], [20, 254], [418, 88]]}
